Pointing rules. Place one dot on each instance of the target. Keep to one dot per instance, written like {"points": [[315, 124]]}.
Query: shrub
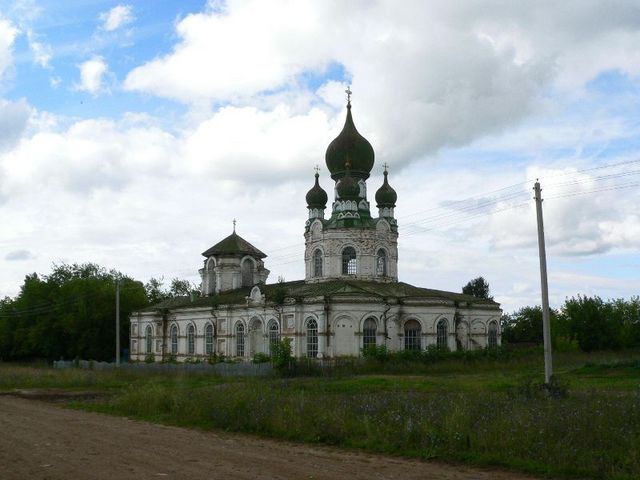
{"points": [[149, 358], [261, 358]]}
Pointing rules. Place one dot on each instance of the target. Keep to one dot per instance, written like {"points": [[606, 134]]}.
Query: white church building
{"points": [[350, 299]]}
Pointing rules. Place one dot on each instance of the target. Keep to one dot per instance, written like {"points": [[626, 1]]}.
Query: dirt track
{"points": [[39, 440]]}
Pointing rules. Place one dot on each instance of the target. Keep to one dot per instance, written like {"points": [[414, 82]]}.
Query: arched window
{"points": [[317, 263], [349, 261], [312, 338], [369, 330], [191, 340], [208, 339], [211, 276], [148, 339], [174, 339], [274, 335], [247, 273], [239, 339], [381, 263], [441, 337], [412, 334], [493, 335]]}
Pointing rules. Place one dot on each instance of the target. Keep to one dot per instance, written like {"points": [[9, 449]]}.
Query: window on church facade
{"points": [[369, 331], [208, 339], [317, 263], [174, 339], [441, 334], [240, 339], [381, 264], [247, 273], [493, 335], [274, 335], [349, 261], [149, 339], [191, 340], [312, 338], [412, 334]]}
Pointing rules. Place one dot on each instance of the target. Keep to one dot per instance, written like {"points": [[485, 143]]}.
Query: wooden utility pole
{"points": [[117, 323], [544, 286]]}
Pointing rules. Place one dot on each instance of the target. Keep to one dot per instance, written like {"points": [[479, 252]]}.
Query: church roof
{"points": [[300, 289], [234, 244]]}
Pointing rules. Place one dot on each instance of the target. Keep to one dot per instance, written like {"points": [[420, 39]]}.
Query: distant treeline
{"points": [[587, 323], [71, 312]]}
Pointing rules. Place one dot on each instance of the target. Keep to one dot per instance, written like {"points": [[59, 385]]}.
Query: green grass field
{"points": [[484, 412]]}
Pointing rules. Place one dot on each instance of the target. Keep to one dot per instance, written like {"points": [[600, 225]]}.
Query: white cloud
{"points": [[92, 74], [117, 17], [41, 52], [8, 34]]}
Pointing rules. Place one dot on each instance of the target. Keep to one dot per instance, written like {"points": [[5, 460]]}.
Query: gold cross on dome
{"points": [[348, 92]]}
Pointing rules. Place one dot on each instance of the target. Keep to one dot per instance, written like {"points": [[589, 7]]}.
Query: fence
{"points": [[222, 369]]}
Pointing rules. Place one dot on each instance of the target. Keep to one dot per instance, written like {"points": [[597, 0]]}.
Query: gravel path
{"points": [[39, 440]]}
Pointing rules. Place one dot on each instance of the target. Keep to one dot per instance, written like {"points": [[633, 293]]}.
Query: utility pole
{"points": [[544, 286], [117, 323]]}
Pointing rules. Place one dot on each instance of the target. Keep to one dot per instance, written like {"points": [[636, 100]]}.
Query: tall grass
{"points": [[588, 433]]}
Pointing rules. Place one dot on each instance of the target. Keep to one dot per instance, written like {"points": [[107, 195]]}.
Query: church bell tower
{"points": [[351, 244]]}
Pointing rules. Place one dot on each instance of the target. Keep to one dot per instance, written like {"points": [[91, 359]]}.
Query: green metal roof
{"points": [[234, 244], [300, 289]]}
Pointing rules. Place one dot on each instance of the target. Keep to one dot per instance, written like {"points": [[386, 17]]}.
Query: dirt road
{"points": [[39, 440]]}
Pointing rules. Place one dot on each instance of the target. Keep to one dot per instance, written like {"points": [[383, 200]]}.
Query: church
{"points": [[350, 299]]}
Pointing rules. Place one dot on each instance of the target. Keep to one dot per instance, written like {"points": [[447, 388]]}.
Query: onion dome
{"points": [[317, 197], [353, 145], [347, 187], [386, 196]]}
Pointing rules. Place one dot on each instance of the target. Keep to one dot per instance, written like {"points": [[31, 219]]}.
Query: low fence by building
{"points": [[243, 369]]}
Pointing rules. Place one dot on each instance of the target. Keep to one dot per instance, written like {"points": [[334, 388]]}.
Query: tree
{"points": [[478, 287], [68, 313]]}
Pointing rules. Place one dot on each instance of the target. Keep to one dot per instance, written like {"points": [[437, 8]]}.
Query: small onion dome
{"points": [[347, 187], [317, 197], [353, 145], [386, 196]]}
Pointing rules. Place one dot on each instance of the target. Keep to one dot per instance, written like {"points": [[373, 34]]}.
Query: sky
{"points": [[132, 134]]}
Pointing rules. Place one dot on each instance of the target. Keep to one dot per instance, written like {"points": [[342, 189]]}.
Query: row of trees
{"points": [[589, 323], [71, 313]]}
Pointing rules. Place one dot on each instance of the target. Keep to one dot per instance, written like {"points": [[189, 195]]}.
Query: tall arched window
{"points": [[493, 335], [349, 265], [174, 339], [191, 340], [381, 263], [211, 276], [247, 273], [412, 335], [239, 339], [441, 337], [312, 338], [274, 335], [369, 330], [317, 263], [208, 339], [148, 339]]}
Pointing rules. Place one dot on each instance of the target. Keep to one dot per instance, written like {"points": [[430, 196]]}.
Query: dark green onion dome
{"points": [[386, 196], [347, 187], [317, 197], [353, 145]]}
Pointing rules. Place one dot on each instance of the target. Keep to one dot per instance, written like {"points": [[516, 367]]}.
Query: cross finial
{"points": [[234, 225], [317, 168], [348, 92], [386, 167]]}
